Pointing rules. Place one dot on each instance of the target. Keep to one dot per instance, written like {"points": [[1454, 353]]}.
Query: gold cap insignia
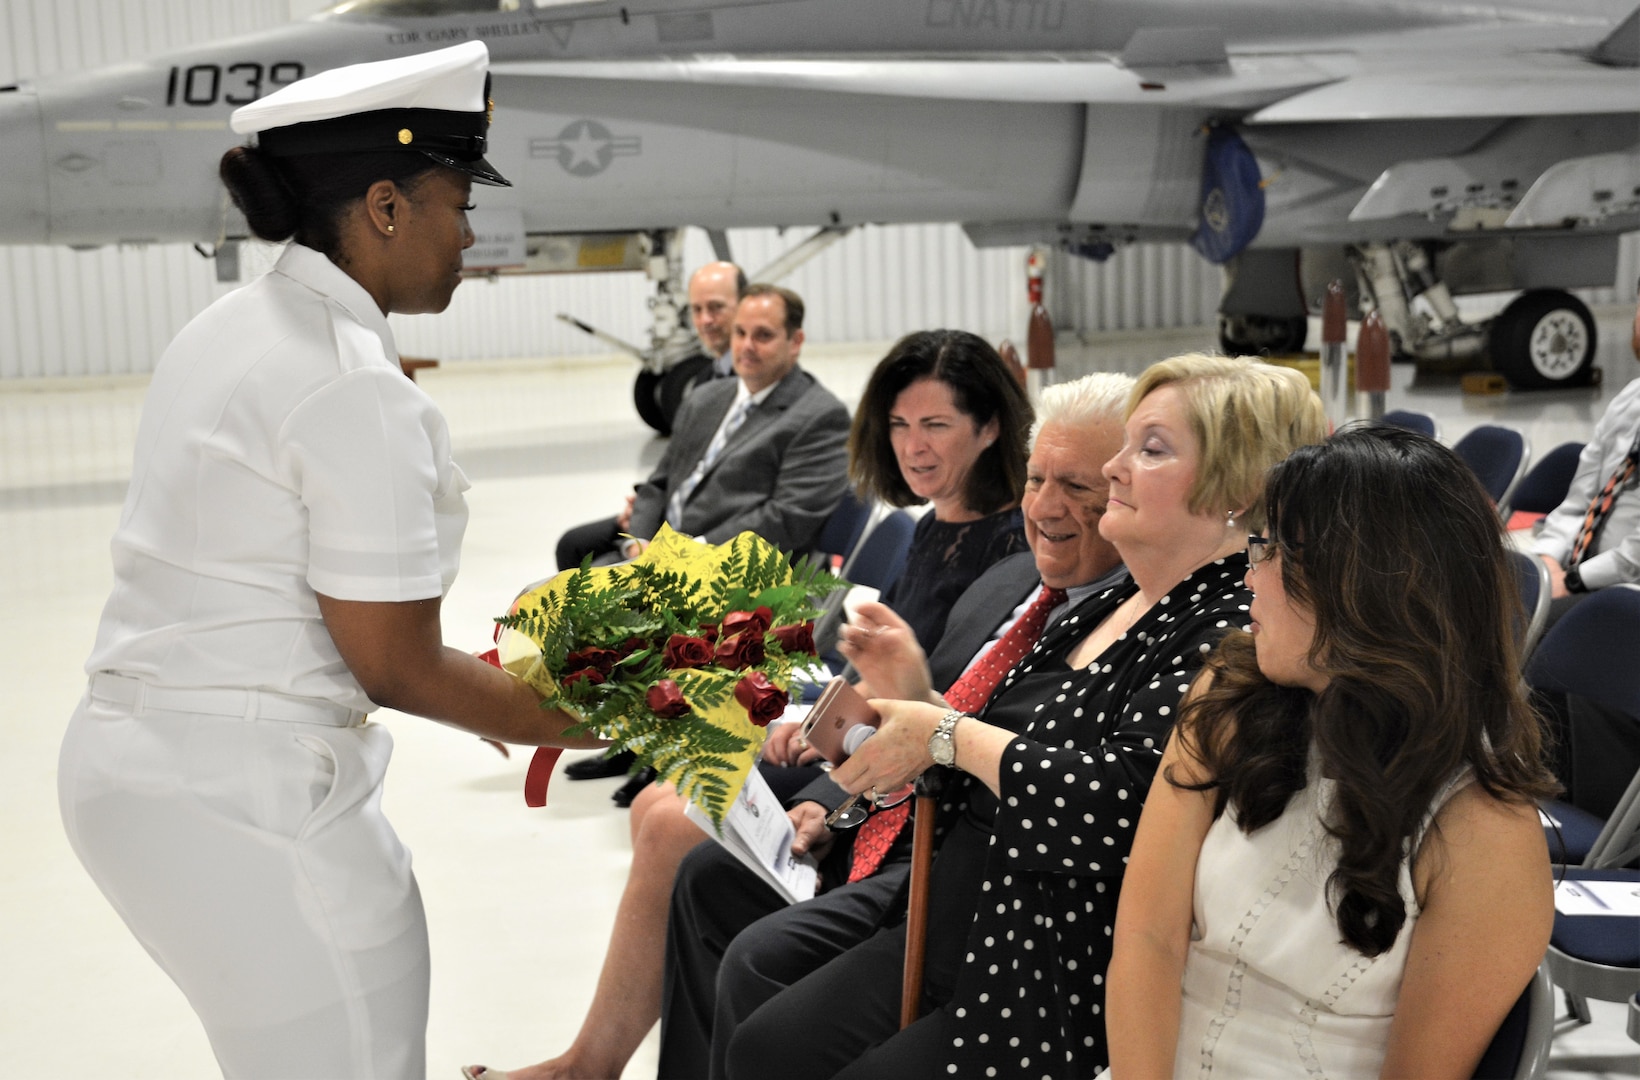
{"points": [[489, 111], [405, 136]]}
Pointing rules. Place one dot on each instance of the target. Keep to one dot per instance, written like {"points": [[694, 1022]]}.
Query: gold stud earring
{"points": [[390, 228]]}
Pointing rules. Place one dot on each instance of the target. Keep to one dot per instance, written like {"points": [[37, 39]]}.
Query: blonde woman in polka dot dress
{"points": [[1040, 808]]}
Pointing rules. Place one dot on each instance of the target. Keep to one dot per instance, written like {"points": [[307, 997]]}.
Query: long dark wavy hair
{"points": [[1389, 540]]}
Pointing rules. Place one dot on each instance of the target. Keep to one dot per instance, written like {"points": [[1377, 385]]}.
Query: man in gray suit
{"points": [[765, 452]]}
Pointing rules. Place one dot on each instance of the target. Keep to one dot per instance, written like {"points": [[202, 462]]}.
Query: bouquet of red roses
{"points": [[681, 656]]}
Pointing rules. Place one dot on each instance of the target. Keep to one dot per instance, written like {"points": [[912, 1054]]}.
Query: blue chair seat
{"points": [[1576, 833], [1613, 940]]}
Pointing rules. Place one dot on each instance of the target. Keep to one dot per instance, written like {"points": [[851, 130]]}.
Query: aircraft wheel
{"points": [[677, 382], [1545, 338], [1262, 335], [646, 399]]}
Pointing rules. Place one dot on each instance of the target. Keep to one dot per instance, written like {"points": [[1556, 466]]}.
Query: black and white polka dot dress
{"points": [[1029, 996]]}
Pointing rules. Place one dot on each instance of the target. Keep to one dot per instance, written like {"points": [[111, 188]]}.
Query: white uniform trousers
{"points": [[251, 859]]}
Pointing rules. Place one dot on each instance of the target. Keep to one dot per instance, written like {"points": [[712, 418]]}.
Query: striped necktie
{"points": [[674, 505], [1600, 509]]}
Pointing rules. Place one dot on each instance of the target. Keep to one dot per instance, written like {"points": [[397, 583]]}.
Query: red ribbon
{"points": [[535, 781]]}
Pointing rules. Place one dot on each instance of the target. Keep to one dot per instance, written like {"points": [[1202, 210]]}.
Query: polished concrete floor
{"points": [[519, 901]]}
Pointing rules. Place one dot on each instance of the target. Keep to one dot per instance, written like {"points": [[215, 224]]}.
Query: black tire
{"points": [[646, 399], [1545, 338], [1263, 335], [679, 379]]}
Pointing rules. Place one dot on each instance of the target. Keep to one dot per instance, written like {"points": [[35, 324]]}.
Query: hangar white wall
{"points": [[111, 311]]}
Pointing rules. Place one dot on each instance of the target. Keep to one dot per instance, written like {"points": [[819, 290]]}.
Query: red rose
{"points": [[666, 700], [748, 622], [740, 651], [601, 660], [683, 651], [709, 631], [630, 646], [762, 700], [795, 639], [590, 676]]}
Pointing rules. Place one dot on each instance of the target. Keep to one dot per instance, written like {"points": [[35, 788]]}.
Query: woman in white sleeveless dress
{"points": [[1345, 875]]}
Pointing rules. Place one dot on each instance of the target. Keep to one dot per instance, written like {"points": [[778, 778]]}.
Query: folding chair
{"points": [[843, 529], [1421, 422], [876, 561], [1520, 1049], [1544, 486], [1598, 956], [1532, 576], [1498, 455]]}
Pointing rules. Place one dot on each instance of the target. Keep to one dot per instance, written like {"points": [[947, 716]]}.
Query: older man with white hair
{"points": [[732, 943]]}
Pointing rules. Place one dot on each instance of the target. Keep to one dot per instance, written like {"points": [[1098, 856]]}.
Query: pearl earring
{"points": [[1229, 519]]}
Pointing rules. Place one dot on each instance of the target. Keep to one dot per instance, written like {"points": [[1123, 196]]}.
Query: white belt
{"points": [[140, 697]]}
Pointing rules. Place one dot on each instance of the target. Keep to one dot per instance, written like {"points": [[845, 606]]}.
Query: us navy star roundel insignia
{"points": [[585, 147]]}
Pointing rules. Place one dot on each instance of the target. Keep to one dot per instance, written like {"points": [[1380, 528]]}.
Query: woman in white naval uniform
{"points": [[293, 520]]}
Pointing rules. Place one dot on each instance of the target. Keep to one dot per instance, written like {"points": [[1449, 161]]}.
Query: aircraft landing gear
{"points": [[1544, 338], [657, 397], [1256, 335]]}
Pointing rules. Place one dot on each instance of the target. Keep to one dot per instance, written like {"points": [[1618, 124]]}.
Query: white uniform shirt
{"points": [[282, 453], [1614, 557]]}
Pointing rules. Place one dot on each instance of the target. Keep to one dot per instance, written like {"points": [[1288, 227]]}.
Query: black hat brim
{"points": [[479, 169]]}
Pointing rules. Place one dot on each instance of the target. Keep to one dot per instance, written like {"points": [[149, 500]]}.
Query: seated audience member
{"points": [[714, 293], [765, 452], [1078, 428], [1592, 541], [1344, 866], [943, 421], [1047, 776]]}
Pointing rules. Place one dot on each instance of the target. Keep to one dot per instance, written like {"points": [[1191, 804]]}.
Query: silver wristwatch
{"points": [[942, 745]]}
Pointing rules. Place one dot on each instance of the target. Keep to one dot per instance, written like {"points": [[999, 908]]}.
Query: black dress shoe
{"points": [[635, 783], [596, 768]]}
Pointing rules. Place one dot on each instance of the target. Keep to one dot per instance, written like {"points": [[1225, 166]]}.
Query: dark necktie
{"points": [[968, 694], [1601, 507]]}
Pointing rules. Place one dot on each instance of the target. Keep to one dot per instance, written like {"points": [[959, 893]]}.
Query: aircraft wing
{"points": [[1239, 83]]}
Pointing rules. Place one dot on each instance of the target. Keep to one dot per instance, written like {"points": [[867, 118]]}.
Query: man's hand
{"points": [[1557, 578], [785, 746], [813, 838], [623, 520], [884, 650]]}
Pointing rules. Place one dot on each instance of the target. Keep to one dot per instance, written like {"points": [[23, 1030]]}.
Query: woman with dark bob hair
{"points": [[293, 521], [943, 421], [1345, 873]]}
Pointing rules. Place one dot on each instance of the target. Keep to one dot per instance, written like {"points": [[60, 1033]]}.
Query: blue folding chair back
{"points": [[880, 557], [1532, 578], [1412, 420], [1498, 455], [1545, 484], [844, 527], [1520, 1049]]}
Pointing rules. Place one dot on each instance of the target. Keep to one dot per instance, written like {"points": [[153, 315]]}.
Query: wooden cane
{"points": [[916, 916]]}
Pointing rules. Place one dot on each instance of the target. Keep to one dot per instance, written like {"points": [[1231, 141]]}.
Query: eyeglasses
{"points": [[1260, 548], [854, 813]]}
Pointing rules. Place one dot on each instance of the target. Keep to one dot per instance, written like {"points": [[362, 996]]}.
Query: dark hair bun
{"points": [[260, 192]]}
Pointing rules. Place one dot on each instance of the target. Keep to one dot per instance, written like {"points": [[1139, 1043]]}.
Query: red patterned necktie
{"points": [[1601, 507], [968, 694]]}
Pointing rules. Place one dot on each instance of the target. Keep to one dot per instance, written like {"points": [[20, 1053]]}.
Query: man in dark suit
{"points": [[731, 941], [765, 452]]}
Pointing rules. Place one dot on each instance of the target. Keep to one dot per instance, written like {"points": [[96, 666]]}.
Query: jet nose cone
{"points": [[24, 207]]}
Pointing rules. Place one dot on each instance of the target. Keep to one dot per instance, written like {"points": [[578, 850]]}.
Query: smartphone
{"points": [[831, 724]]}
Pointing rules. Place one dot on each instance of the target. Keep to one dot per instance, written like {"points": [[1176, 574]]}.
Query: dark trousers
{"points": [[600, 539], [732, 944]]}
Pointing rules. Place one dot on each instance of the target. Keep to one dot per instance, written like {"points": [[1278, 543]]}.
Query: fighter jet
{"points": [[1419, 150]]}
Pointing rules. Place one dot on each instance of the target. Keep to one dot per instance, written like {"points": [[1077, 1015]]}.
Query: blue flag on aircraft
{"points": [[1232, 208]]}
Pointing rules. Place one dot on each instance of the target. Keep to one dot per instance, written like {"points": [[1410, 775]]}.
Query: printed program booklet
{"points": [[758, 833]]}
